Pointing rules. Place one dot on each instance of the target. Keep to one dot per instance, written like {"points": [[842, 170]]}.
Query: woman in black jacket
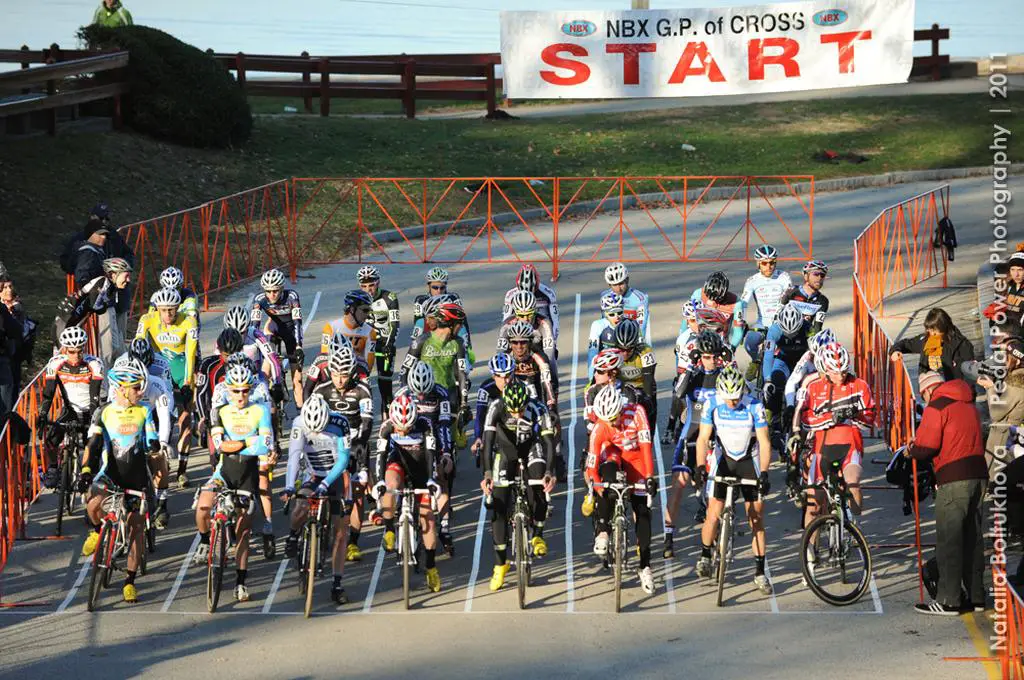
{"points": [[942, 346]]}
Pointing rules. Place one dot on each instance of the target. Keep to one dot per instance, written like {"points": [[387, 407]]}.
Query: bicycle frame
{"points": [[229, 504], [408, 516]]}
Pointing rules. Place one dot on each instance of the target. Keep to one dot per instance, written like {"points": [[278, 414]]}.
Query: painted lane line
{"points": [[277, 584], [875, 597], [312, 312], [476, 557], [570, 497], [368, 603], [768, 572], [78, 584], [181, 574], [670, 587]]}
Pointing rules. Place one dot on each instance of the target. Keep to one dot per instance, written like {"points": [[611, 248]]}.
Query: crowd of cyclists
{"points": [[162, 400]]}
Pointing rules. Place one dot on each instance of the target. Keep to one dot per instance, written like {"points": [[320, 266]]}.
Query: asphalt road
{"points": [[569, 628]]}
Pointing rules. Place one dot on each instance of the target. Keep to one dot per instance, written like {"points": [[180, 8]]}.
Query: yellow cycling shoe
{"points": [[389, 541], [540, 547], [91, 541], [588, 505], [129, 593], [498, 577], [434, 580], [353, 553]]}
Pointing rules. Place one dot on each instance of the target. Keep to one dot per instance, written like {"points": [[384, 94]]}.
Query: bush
{"points": [[178, 92]]}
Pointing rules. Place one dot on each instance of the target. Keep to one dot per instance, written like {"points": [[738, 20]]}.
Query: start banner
{"points": [[698, 52]]}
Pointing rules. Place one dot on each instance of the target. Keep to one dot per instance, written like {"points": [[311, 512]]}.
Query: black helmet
{"points": [[708, 342], [627, 334], [141, 349], [357, 298], [716, 286], [229, 341]]}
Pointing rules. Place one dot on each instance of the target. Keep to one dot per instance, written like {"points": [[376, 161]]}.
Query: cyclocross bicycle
{"points": [[721, 557], [115, 539], [410, 534], [522, 520], [622, 491], [229, 505], [71, 449], [314, 545]]}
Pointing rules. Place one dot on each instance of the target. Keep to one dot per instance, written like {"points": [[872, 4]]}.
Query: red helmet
{"points": [[607, 360], [834, 358], [449, 314], [712, 319], [402, 412], [527, 278]]}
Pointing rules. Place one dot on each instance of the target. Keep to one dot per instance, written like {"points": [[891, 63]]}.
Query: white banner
{"points": [[699, 52]]}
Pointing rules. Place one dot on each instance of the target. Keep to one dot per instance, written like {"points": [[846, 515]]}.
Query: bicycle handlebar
{"points": [[735, 481]]}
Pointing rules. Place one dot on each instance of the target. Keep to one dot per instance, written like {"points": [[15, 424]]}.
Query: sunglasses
{"points": [[525, 315], [442, 288], [818, 275], [604, 371], [613, 314], [242, 391]]}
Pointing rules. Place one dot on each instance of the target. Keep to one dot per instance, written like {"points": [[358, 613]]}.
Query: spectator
{"points": [[99, 297], [114, 246], [1002, 378], [942, 346], [25, 343], [10, 333], [111, 13], [949, 436], [90, 255]]}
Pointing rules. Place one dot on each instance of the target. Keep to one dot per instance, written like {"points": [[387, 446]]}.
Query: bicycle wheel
{"points": [[619, 545], [405, 536], [217, 562], [110, 549], [724, 537], [519, 537], [314, 546], [830, 577], [303, 558], [98, 564]]}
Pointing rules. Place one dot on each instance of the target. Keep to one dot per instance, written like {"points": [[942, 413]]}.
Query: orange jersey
{"points": [[628, 443]]}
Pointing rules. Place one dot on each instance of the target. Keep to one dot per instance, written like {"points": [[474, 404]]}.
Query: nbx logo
{"points": [[627, 28]]}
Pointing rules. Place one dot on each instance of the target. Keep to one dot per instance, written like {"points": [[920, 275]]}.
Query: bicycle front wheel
{"points": [[724, 538], [405, 534], [314, 548], [99, 566], [64, 492], [110, 549], [522, 563], [217, 562], [619, 545], [842, 572]]}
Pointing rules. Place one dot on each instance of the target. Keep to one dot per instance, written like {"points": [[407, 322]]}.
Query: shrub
{"points": [[178, 92]]}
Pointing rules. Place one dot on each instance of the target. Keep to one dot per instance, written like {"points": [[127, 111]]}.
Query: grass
{"points": [[47, 185]]}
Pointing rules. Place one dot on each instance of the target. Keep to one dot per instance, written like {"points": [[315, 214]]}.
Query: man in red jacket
{"points": [[950, 437]]}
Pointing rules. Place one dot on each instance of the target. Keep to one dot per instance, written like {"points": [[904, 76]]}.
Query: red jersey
{"points": [[823, 398], [628, 443]]}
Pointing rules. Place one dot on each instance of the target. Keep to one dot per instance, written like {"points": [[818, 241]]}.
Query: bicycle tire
{"points": [[216, 563], [143, 561], [150, 536], [818, 525], [110, 548], [303, 559], [724, 536], [618, 543], [96, 579], [314, 547], [519, 533], [405, 529], [63, 491]]}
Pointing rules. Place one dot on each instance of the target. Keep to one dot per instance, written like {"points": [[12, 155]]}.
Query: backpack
{"points": [[69, 256]]}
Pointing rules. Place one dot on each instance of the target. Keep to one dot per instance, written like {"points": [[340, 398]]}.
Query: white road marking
{"points": [[78, 584], [312, 312], [570, 497], [768, 573], [454, 612], [277, 584], [670, 588], [875, 597], [476, 557], [181, 575], [368, 603]]}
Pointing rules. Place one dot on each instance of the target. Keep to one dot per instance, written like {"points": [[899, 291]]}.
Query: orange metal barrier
{"points": [[1008, 626]]}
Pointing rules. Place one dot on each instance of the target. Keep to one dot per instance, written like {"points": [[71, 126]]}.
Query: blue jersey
{"points": [[128, 434], [326, 452], [779, 347], [734, 427], [594, 342], [635, 305]]}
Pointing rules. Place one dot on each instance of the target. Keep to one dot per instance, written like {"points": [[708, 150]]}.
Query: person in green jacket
{"points": [[111, 13]]}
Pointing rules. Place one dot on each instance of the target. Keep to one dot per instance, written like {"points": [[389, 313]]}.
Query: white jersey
{"points": [[160, 397], [804, 367], [547, 305], [767, 292], [686, 342]]}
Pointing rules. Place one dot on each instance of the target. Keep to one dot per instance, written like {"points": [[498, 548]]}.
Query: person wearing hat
{"points": [[1002, 378], [10, 335], [942, 346], [949, 436], [91, 252], [24, 327]]}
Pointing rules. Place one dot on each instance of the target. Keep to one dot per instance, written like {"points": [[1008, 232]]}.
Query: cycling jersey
{"points": [[448, 360], [597, 329], [635, 305], [543, 339], [123, 435], [282, 319], [693, 390], [420, 306], [257, 347], [189, 303], [627, 443], [319, 373], [833, 412], [159, 397], [326, 453], [638, 370], [178, 342], [353, 401], [767, 292], [160, 368], [628, 393], [535, 372], [547, 305], [781, 353], [726, 306], [79, 385], [804, 367], [209, 374], [527, 434], [436, 407], [735, 428], [384, 316], [488, 391], [250, 424], [813, 305], [411, 455], [362, 337]]}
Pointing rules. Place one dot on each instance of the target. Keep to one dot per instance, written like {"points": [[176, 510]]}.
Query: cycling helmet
{"points": [[608, 403], [126, 360], [315, 413], [420, 378], [165, 297], [172, 278], [627, 334], [141, 350], [272, 279], [834, 358], [515, 396], [229, 341], [816, 266], [237, 317], [519, 330], [790, 320], [127, 374], [818, 365], [607, 360], [357, 298], [116, 265], [449, 314], [611, 302], [765, 252], [501, 364], [437, 274], [616, 273], [523, 303], [730, 383], [342, 360], [337, 341], [712, 318], [402, 412], [239, 375], [708, 342], [367, 274], [690, 308], [820, 339], [74, 337], [716, 286], [527, 277]]}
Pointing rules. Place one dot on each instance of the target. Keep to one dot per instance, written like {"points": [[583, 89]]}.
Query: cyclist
{"points": [[353, 325], [620, 445], [102, 296], [386, 321], [805, 371], [423, 319], [320, 436], [405, 455], [502, 366], [258, 347], [696, 319], [156, 365], [159, 393], [784, 344], [612, 311], [547, 302], [524, 310], [175, 336], [638, 364], [241, 436], [208, 376], [692, 390], [835, 404], [318, 374], [78, 377], [808, 298], [517, 429], [605, 368], [635, 303], [172, 277], [277, 312], [765, 288], [122, 442], [350, 396], [735, 419]]}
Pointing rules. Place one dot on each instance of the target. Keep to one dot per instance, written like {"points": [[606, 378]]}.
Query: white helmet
{"points": [[239, 375], [523, 302], [272, 279], [608, 403], [337, 341], [616, 273], [437, 274], [368, 273], [420, 378], [73, 337], [834, 358], [165, 297], [238, 318], [172, 278], [790, 320], [127, 361], [342, 360], [519, 330], [315, 413], [611, 301]]}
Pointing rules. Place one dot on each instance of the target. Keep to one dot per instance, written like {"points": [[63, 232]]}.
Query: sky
{"points": [[354, 27]]}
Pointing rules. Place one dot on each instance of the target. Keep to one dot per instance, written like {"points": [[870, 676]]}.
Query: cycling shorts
{"points": [[335, 492], [236, 472], [744, 468], [843, 454], [411, 471]]}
